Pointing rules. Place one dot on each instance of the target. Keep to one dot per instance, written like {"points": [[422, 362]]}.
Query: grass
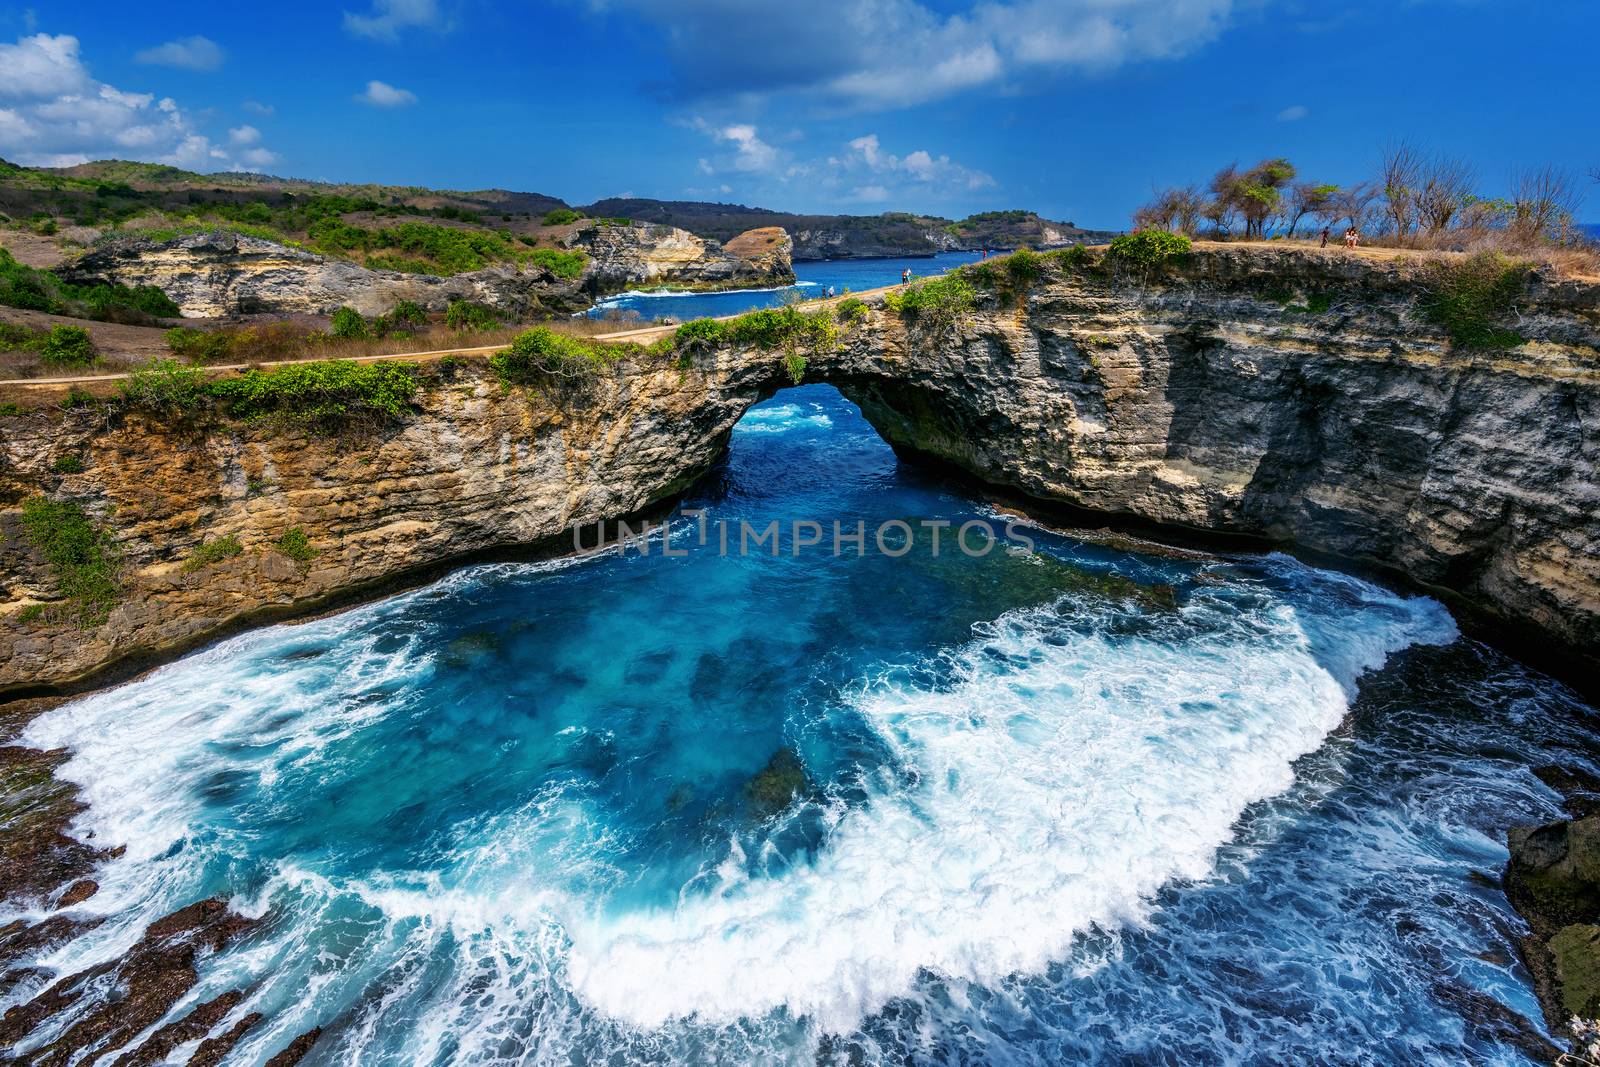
{"points": [[213, 551], [1471, 299], [80, 554], [68, 464]]}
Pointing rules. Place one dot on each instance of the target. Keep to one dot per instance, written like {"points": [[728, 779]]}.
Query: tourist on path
{"points": [[1324, 237]]}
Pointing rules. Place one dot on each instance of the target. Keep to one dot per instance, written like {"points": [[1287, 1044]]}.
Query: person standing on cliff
{"points": [[1324, 237]]}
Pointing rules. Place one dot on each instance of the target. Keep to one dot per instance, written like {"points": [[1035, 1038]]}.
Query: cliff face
{"points": [[1205, 402], [1214, 398], [223, 273], [622, 257]]}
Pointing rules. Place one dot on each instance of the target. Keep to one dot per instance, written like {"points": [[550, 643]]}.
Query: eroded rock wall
{"points": [[1213, 398]]}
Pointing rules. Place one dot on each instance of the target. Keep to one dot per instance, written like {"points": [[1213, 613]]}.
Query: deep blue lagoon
{"points": [[1073, 804]]}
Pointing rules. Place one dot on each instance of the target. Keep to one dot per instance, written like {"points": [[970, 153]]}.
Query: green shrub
{"points": [[68, 346], [1073, 256], [700, 333], [466, 315], [795, 365], [1470, 298], [214, 551], [79, 552], [564, 265], [296, 545], [9, 409], [18, 338], [1148, 250], [200, 346], [938, 300], [850, 310], [1023, 267], [166, 387], [561, 216], [68, 464], [326, 397], [408, 313], [348, 324], [541, 354]]}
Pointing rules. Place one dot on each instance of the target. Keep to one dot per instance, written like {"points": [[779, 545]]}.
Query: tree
{"points": [[1352, 205], [1443, 188], [1543, 201], [1220, 206], [1255, 195], [1308, 198], [1398, 175], [1176, 209]]}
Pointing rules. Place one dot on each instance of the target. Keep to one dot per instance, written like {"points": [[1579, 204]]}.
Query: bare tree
{"points": [[1443, 187], [1353, 204], [1543, 201], [1307, 198], [1398, 176]]}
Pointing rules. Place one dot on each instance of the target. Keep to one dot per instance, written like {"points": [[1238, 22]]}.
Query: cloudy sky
{"points": [[1071, 107]]}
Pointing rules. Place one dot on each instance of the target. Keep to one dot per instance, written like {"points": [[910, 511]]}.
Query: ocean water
{"points": [[811, 281], [1054, 803]]}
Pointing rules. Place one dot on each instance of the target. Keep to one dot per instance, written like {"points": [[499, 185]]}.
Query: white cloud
{"points": [[896, 53], [256, 107], [939, 174], [1294, 113], [750, 152], [189, 53], [382, 94], [389, 17], [53, 112], [245, 135]]}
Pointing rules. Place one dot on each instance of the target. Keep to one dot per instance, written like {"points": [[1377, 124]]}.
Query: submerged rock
{"points": [[775, 786]]}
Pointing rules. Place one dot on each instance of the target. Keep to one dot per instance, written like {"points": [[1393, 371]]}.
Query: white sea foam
{"points": [[779, 418], [668, 294], [1063, 772], [1060, 784]]}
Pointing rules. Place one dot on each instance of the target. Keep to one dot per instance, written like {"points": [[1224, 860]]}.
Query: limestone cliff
{"points": [[223, 273], [625, 257], [1297, 397]]}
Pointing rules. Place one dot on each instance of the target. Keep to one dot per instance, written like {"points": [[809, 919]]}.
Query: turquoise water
{"points": [[1073, 804], [812, 280]]}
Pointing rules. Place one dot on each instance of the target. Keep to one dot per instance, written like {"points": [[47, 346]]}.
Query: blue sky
{"points": [[1074, 108]]}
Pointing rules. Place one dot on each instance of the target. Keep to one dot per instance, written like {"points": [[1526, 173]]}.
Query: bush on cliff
{"points": [[1469, 299], [1146, 251], [540, 354], [564, 265], [80, 553], [326, 397], [561, 216], [166, 387], [936, 301]]}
